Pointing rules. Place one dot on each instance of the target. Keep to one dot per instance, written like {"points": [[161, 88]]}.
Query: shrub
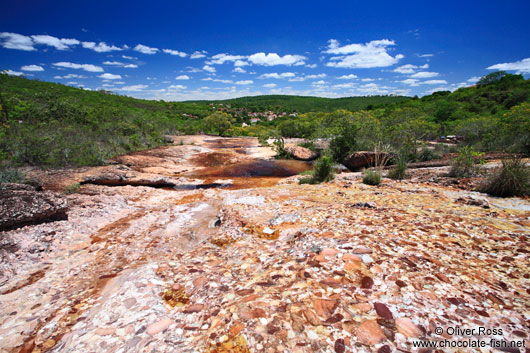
{"points": [[465, 164], [322, 172], [511, 179], [262, 139], [428, 154], [73, 188], [398, 171], [9, 175], [372, 177]]}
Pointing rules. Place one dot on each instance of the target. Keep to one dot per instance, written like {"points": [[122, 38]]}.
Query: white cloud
{"points": [[208, 68], [175, 52], [411, 82], [425, 55], [424, 74], [272, 59], [435, 82], [100, 47], [319, 83], [69, 76], [182, 77], [129, 57], [59, 44], [521, 66], [311, 66], [32, 68], [347, 77], [120, 64], [86, 67], [220, 59], [244, 82], [197, 55], [13, 73], [134, 88], [303, 78], [217, 80], [345, 85], [16, 41], [277, 75], [240, 63], [409, 68], [176, 87], [473, 79], [372, 89], [362, 56], [367, 80], [270, 85], [108, 76], [144, 49], [240, 70]]}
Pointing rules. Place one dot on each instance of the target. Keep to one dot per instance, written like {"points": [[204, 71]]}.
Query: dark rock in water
{"points": [[364, 159], [22, 205], [122, 179], [300, 153], [216, 222]]}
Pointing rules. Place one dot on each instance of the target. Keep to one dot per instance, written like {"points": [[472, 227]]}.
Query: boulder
{"points": [[22, 205], [300, 153], [364, 159]]}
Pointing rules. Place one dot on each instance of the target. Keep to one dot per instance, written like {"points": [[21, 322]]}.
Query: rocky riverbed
{"points": [[212, 246]]}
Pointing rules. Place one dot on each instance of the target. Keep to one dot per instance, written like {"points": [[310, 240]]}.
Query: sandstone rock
{"points": [[383, 311], [21, 205], [159, 326], [406, 327], [194, 308], [363, 159], [369, 333], [300, 153]]}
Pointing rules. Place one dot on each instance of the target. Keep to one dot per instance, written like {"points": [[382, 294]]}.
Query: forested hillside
{"points": [[286, 103], [50, 124]]}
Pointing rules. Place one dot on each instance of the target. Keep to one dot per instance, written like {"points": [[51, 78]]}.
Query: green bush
{"points": [[398, 171], [466, 164], [73, 188], [428, 154], [9, 175], [372, 177], [322, 172], [511, 179]]}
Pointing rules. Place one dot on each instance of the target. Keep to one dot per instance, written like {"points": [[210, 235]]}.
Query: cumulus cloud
{"points": [[311, 66], [59, 44], [521, 66], [272, 59], [144, 49], [208, 68], [473, 79], [16, 41], [277, 75], [369, 55], [134, 88], [411, 82], [120, 64], [220, 59], [108, 76], [176, 87], [182, 77], [86, 67], [240, 70], [244, 82], [175, 52], [435, 82], [69, 76], [100, 47], [129, 57], [270, 85], [347, 77], [13, 73], [424, 74], [32, 68], [307, 77], [345, 85], [409, 68], [197, 55]]}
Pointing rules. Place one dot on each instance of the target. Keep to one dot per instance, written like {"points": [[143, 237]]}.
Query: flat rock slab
{"points": [[21, 205]]}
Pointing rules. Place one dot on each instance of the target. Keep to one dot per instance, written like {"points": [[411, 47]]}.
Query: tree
{"points": [[220, 122], [491, 78]]}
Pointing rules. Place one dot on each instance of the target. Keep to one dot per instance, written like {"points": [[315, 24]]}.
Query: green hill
{"points": [[301, 104]]}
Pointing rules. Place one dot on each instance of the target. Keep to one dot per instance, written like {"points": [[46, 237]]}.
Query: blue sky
{"points": [[175, 50]]}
